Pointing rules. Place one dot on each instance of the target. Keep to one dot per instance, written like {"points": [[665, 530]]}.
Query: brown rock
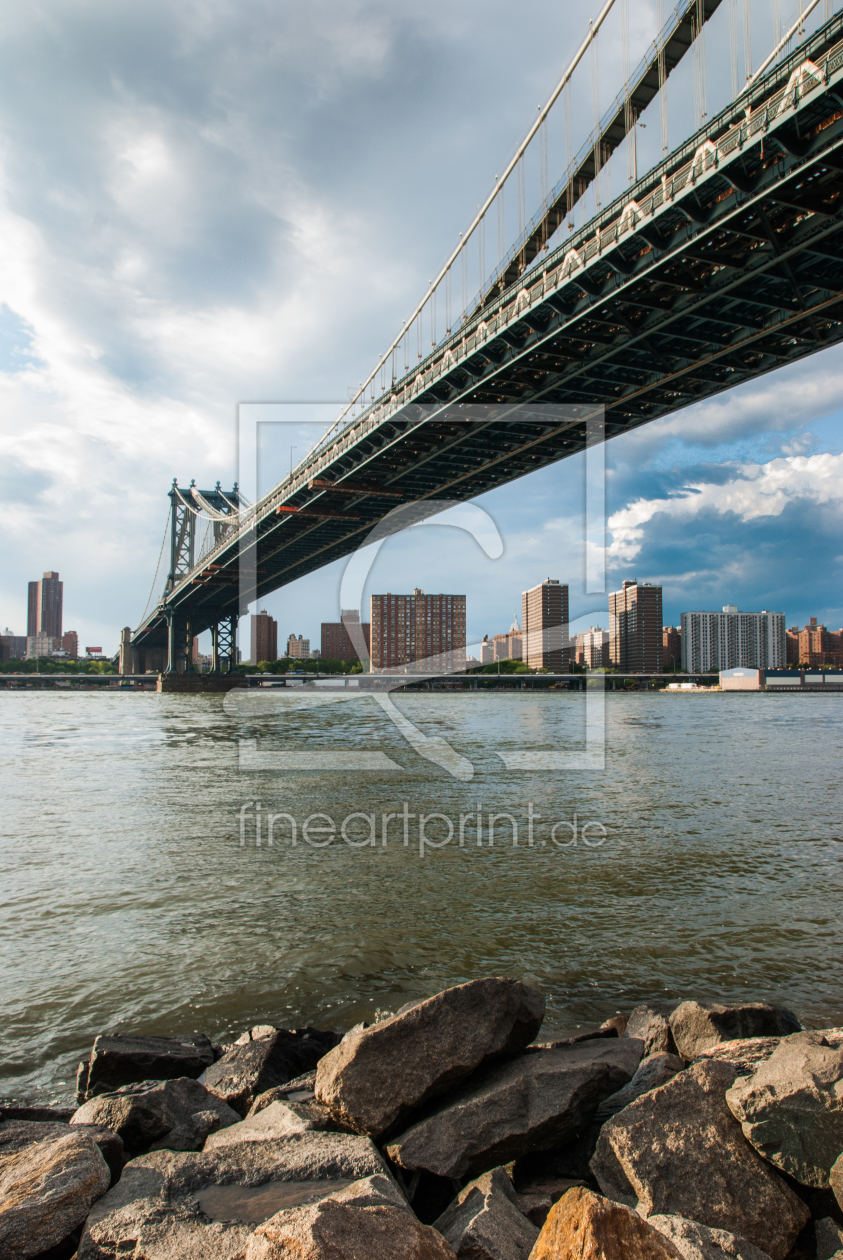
{"points": [[278, 1120], [582, 1226], [697, 1026], [829, 1238], [657, 1069], [17, 1134], [118, 1060], [170, 1206], [259, 1064], [368, 1220], [698, 1242], [150, 1111], [678, 1151], [651, 1024], [46, 1190], [486, 1221], [791, 1107], [377, 1075], [533, 1102]]}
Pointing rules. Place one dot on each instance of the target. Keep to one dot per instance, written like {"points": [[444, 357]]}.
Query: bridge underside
{"points": [[737, 273]]}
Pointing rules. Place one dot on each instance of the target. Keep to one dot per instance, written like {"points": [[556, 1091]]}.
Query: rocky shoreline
{"points": [[449, 1129]]}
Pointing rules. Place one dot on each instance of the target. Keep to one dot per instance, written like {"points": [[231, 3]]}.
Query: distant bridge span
{"points": [[723, 263]]}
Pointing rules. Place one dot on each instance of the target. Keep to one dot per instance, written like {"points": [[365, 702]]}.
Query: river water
{"points": [[135, 896]]}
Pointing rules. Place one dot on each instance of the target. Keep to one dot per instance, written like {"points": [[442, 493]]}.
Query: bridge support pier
{"points": [[224, 645], [179, 645]]}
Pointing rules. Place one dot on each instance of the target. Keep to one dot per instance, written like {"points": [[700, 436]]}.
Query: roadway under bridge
{"points": [[723, 263]]}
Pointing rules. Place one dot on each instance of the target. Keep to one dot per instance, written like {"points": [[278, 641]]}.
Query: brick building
{"points": [[337, 644], [671, 647], [635, 627], [418, 633], [593, 647], [44, 607], [819, 646], [264, 638], [544, 626], [298, 648]]}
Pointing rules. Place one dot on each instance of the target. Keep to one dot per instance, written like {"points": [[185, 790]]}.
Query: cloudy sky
{"points": [[207, 203]]}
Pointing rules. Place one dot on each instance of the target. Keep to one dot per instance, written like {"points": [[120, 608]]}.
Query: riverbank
{"points": [[452, 1128]]}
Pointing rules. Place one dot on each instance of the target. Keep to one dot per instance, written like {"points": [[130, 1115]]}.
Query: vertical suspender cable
{"points": [[662, 81], [595, 106], [747, 38], [733, 43]]}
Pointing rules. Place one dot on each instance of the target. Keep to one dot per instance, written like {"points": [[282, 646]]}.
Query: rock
{"points": [[190, 1134], [17, 1134], [791, 1108], [829, 1238], [657, 1069], [617, 1022], [118, 1060], [582, 1226], [278, 1120], [172, 1206], [485, 1221], [39, 1115], [300, 1089], [377, 1075], [679, 1151], [46, 1190], [151, 1110], [697, 1026], [537, 1195], [651, 1024], [368, 1220], [247, 1070], [533, 1102], [697, 1242], [836, 1179]]}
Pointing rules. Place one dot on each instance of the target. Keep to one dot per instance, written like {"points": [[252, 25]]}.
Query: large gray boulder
{"points": [[377, 1075], [533, 1102], [697, 1242], [118, 1059], [746, 1053], [791, 1108], [260, 1062], [697, 1026], [679, 1151], [650, 1023], [829, 1238], [278, 1120], [172, 1206], [368, 1220], [46, 1190], [161, 1112], [17, 1134], [486, 1221]]}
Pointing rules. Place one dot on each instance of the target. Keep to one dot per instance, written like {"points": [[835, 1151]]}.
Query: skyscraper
{"points": [[422, 631], [729, 639], [635, 627], [45, 607], [264, 637], [544, 626]]}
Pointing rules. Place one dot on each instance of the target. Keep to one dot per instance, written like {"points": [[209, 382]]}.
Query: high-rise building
{"points": [[593, 648], [500, 647], [635, 627], [45, 606], [819, 646], [731, 639], [264, 637], [298, 649], [544, 626], [671, 647], [337, 644], [70, 644], [14, 646], [418, 633]]}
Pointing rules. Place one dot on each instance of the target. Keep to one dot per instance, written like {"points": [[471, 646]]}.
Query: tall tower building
{"points": [[635, 627], [425, 633], [337, 644], [45, 606], [731, 638], [264, 637], [544, 627]]}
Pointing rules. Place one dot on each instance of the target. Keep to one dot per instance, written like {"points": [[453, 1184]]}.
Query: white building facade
{"points": [[731, 639]]}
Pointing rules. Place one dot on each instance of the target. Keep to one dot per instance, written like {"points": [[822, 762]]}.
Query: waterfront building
{"points": [[264, 637], [818, 646], [592, 648], [315, 654], [635, 627], [544, 626], [44, 610], [671, 647], [732, 640], [418, 632], [70, 644], [337, 643], [487, 651], [791, 638], [298, 649], [500, 647], [12, 646], [40, 645]]}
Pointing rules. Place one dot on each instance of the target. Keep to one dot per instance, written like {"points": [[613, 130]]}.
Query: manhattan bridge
{"points": [[723, 262]]}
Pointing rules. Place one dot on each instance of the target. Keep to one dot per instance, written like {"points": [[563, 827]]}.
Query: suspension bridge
{"points": [[722, 263]]}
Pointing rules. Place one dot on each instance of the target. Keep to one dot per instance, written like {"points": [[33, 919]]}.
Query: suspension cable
{"points": [[158, 565]]}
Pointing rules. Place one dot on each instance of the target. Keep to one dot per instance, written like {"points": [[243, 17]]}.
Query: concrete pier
{"points": [[199, 684]]}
